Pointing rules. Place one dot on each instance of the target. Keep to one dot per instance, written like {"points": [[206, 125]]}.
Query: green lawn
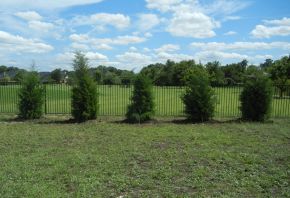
{"points": [[115, 99], [106, 159]]}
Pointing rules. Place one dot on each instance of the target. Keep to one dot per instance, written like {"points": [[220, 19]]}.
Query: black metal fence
{"points": [[114, 99]]}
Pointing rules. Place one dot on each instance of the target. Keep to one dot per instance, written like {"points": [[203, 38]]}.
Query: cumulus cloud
{"points": [[194, 18], [230, 33], [272, 28], [102, 20], [162, 5], [29, 16], [105, 43], [218, 55], [94, 57], [40, 26], [240, 45], [168, 48], [195, 25], [15, 43], [147, 21], [134, 60], [44, 4], [164, 56]]}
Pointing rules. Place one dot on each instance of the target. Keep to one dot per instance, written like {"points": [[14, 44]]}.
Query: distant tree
{"points": [[234, 73], [199, 98], [19, 76], [56, 75], [111, 79], [280, 73], [142, 107], [98, 77], [256, 98], [84, 93], [267, 64], [216, 75], [31, 97]]}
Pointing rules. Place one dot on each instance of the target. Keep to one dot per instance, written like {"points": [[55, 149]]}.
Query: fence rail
{"points": [[114, 99]]}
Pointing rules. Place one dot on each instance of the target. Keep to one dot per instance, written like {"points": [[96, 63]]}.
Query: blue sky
{"points": [[130, 34]]}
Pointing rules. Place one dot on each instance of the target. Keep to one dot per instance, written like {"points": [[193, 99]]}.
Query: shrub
{"points": [[198, 98], [84, 93], [31, 97], [256, 99], [142, 107]]}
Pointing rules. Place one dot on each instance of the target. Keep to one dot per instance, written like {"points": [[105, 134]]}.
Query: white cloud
{"points": [[44, 4], [168, 48], [162, 5], [164, 56], [272, 28], [102, 46], [40, 26], [134, 60], [225, 7], [120, 40], [147, 21], [79, 46], [12, 43], [133, 49], [195, 18], [206, 56], [94, 58], [240, 46], [101, 20], [29, 16], [284, 21], [230, 33], [195, 25], [117, 20]]}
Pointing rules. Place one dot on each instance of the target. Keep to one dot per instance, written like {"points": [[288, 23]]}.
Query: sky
{"points": [[130, 34]]}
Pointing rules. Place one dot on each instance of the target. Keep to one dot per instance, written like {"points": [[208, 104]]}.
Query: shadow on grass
{"points": [[160, 120]]}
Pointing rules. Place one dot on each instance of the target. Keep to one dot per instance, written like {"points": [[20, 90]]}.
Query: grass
{"points": [[107, 159], [115, 99]]}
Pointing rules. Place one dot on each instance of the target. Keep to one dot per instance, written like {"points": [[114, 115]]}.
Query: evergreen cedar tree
{"points": [[198, 98], [142, 107], [256, 99], [31, 97], [84, 93]]}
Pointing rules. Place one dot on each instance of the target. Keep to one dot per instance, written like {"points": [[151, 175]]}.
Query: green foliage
{"points": [[216, 75], [31, 97], [142, 107], [84, 93], [234, 73], [256, 99], [56, 75], [280, 73], [199, 98]]}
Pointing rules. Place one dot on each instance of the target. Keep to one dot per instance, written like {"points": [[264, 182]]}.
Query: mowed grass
{"points": [[106, 159], [115, 99]]}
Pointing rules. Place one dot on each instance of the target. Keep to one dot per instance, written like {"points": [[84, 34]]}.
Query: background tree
{"points": [[84, 93], [267, 64], [256, 98], [31, 97], [199, 98], [142, 107], [280, 73], [56, 75], [216, 75]]}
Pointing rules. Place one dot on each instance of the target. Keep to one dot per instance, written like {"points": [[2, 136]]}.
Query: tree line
{"points": [[169, 74]]}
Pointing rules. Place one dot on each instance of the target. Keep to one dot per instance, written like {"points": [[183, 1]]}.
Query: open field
{"points": [[107, 159], [115, 99]]}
